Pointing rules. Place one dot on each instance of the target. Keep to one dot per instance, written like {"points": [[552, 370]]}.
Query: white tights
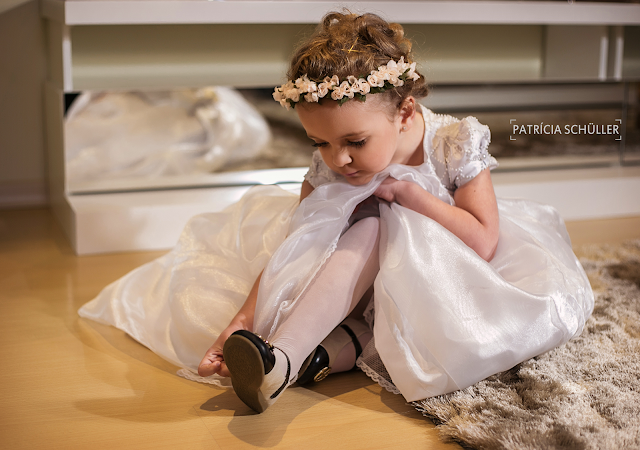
{"points": [[334, 293]]}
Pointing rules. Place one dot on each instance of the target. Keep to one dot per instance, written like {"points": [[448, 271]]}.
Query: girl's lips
{"points": [[352, 174]]}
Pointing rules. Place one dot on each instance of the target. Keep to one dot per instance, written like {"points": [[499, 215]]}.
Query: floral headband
{"points": [[386, 77]]}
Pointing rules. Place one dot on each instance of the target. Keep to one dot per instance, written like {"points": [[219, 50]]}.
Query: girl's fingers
{"points": [[205, 369], [211, 363], [386, 189], [211, 368], [223, 371]]}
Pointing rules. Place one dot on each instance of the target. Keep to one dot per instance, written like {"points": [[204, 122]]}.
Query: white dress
{"points": [[443, 318]]}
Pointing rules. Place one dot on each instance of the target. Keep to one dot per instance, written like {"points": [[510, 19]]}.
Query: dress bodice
{"points": [[454, 150]]}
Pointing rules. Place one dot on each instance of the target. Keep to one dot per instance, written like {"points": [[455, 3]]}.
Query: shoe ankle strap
{"points": [[286, 377], [354, 338]]}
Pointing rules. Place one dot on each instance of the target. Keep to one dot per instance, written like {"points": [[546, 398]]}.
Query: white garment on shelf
{"points": [[154, 134], [444, 317]]}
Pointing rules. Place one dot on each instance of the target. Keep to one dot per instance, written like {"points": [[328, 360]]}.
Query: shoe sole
{"points": [[247, 371]]}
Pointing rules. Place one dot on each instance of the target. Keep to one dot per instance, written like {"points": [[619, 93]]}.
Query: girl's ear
{"points": [[407, 112]]}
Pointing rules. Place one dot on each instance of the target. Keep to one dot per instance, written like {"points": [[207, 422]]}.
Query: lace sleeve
{"points": [[319, 173], [462, 147]]}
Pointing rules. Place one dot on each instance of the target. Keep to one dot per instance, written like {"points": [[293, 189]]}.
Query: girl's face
{"points": [[357, 139]]}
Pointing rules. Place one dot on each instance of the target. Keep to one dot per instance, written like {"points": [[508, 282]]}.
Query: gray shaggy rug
{"points": [[582, 395]]}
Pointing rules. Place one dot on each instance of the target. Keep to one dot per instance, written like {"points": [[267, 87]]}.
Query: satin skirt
{"points": [[444, 318], [178, 304]]}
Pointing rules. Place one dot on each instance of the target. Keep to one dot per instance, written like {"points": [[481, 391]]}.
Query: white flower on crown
{"points": [[391, 72], [362, 87], [291, 92], [412, 72], [401, 65], [408, 69], [340, 91], [279, 96], [393, 68], [304, 84], [375, 79], [348, 92], [327, 85], [394, 79], [311, 97]]}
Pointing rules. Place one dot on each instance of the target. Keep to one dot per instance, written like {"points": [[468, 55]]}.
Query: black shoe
{"points": [[251, 360], [318, 365]]}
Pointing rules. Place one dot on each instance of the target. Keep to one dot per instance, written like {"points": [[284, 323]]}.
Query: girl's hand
{"points": [[389, 189], [365, 202], [213, 361]]}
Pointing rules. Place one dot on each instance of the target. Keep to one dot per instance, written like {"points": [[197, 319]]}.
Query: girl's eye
{"points": [[319, 144], [357, 143]]}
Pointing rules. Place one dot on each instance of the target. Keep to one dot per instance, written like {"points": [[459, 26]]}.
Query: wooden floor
{"points": [[69, 383]]}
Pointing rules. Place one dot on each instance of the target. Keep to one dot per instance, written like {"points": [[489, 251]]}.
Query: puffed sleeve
{"points": [[319, 173], [461, 148]]}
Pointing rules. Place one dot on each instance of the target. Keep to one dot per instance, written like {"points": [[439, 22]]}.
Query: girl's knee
{"points": [[362, 236], [370, 226]]}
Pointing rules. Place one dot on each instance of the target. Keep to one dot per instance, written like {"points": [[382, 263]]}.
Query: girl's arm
{"points": [[474, 219], [305, 190], [213, 361]]}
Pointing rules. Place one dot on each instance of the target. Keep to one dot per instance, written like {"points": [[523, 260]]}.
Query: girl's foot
{"points": [[213, 361], [257, 376], [337, 353]]}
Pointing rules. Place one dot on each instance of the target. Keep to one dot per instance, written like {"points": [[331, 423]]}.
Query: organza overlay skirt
{"points": [[444, 318]]}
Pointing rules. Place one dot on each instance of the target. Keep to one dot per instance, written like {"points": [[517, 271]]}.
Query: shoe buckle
{"points": [[322, 374], [269, 344]]}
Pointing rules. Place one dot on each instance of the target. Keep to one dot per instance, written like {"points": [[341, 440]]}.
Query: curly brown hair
{"points": [[347, 44]]}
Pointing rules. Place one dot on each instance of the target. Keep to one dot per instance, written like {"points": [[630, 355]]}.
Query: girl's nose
{"points": [[341, 157]]}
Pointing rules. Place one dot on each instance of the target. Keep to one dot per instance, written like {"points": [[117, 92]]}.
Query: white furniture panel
{"points": [[561, 59], [112, 12], [127, 44], [145, 56], [153, 220], [133, 44]]}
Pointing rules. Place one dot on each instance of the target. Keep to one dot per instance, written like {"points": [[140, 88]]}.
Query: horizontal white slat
{"points": [[577, 194], [524, 96], [238, 11], [240, 178]]}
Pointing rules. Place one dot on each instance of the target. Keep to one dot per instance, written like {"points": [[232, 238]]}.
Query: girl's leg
{"points": [[347, 357], [258, 375], [335, 292]]}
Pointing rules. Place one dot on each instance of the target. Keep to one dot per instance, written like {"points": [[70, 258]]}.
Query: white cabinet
{"points": [[125, 44], [168, 43]]}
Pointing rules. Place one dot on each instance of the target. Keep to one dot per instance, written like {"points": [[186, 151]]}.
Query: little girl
{"points": [[397, 230]]}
